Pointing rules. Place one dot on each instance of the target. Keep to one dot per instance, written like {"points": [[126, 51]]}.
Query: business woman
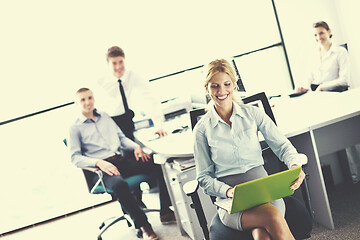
{"points": [[329, 69], [227, 152]]}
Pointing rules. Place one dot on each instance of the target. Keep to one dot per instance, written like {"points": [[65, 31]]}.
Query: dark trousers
{"points": [[314, 87], [334, 89], [126, 123], [128, 166]]}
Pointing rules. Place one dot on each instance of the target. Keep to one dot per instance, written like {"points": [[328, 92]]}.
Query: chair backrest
{"points": [[344, 45], [195, 116], [260, 100], [271, 162]]}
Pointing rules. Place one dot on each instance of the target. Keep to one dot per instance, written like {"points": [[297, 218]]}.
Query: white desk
{"points": [[178, 145], [173, 145], [317, 124]]}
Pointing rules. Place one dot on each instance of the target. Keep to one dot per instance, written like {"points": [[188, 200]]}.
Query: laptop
{"points": [[260, 191]]}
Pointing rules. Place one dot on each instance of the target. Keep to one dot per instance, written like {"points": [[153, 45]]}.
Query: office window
{"points": [[264, 71], [186, 87], [44, 56]]}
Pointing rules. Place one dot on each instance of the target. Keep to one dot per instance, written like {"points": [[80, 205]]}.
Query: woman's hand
{"points": [[301, 89], [299, 181], [161, 132], [139, 153], [318, 89], [230, 192]]}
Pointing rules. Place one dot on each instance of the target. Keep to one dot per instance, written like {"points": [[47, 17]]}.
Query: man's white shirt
{"points": [[138, 94]]}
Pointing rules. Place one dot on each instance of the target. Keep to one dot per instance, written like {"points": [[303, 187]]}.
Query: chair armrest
{"points": [[147, 150], [91, 169], [191, 187], [100, 181], [94, 170]]}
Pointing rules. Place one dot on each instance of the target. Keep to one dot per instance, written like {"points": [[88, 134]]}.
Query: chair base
{"points": [[139, 233], [101, 227]]}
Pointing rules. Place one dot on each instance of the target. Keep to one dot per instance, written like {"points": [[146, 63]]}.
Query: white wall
{"points": [[349, 19], [49, 49]]}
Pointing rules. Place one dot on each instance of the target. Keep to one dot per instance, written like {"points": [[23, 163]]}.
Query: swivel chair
{"points": [[100, 188], [261, 100], [298, 217]]}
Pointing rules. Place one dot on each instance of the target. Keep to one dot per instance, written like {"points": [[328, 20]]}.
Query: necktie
{"points": [[126, 107]]}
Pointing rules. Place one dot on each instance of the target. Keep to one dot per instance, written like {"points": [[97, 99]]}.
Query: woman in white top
{"points": [[330, 67], [227, 152]]}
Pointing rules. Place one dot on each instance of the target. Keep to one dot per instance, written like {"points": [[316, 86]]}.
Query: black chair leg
{"points": [[112, 223], [200, 214], [306, 196]]}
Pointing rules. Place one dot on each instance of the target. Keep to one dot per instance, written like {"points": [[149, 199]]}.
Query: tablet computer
{"points": [[260, 191]]}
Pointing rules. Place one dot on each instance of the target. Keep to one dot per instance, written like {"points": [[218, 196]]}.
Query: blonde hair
{"points": [[220, 66]]}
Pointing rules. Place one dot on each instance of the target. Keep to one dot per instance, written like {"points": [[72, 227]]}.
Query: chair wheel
{"points": [[139, 233], [101, 226]]}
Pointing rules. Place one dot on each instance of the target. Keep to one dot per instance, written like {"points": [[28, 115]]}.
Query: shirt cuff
{"points": [[300, 160], [223, 190]]}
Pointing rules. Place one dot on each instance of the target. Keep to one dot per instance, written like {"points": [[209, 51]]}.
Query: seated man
{"points": [[96, 141]]}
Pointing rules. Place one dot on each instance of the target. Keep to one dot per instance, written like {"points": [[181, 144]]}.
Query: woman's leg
{"points": [[269, 218], [260, 234]]}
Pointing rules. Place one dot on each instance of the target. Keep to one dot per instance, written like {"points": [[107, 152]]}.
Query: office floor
{"points": [[344, 201], [84, 225], [345, 207]]}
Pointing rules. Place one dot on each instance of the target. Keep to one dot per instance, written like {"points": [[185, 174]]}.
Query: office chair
{"points": [[299, 219], [100, 188], [344, 45], [261, 100]]}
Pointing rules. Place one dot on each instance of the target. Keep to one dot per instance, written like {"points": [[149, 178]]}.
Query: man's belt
{"points": [[114, 157]]}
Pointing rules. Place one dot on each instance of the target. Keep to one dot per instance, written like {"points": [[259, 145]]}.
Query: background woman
{"points": [[330, 66]]}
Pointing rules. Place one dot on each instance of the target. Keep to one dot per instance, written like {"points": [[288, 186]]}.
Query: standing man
{"points": [[122, 91], [96, 141]]}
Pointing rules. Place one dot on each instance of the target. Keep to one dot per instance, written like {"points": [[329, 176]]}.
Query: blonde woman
{"points": [[227, 152]]}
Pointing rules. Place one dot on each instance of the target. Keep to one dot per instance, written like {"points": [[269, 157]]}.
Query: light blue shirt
{"points": [[221, 150], [90, 141]]}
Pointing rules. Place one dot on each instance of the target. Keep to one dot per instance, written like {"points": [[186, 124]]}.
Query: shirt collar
{"points": [[237, 110], [124, 78], [215, 118], [333, 48], [83, 119]]}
